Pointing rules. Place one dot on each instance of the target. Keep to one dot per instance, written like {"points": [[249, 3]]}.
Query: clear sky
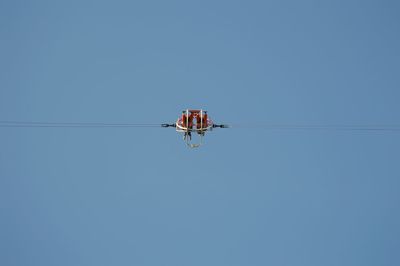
{"points": [[119, 196]]}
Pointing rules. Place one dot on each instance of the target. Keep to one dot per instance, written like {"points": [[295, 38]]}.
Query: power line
{"points": [[30, 124], [332, 127], [260, 126]]}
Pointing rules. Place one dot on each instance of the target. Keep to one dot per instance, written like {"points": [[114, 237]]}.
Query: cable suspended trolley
{"points": [[194, 121]]}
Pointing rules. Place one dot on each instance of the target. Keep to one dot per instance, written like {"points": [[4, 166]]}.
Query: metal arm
{"points": [[220, 126], [168, 125]]}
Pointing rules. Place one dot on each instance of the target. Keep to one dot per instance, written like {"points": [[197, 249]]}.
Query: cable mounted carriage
{"points": [[194, 121]]}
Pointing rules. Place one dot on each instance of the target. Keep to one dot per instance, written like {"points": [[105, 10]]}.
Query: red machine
{"points": [[196, 121]]}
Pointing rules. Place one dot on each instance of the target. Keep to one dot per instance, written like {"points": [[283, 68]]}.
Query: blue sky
{"points": [[120, 196]]}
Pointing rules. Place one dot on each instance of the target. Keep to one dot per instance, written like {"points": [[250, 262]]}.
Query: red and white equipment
{"points": [[194, 121]]}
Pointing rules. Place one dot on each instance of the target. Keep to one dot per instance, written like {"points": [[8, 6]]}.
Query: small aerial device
{"points": [[194, 121]]}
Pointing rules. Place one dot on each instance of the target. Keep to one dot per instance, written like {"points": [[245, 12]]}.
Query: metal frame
{"points": [[187, 131]]}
